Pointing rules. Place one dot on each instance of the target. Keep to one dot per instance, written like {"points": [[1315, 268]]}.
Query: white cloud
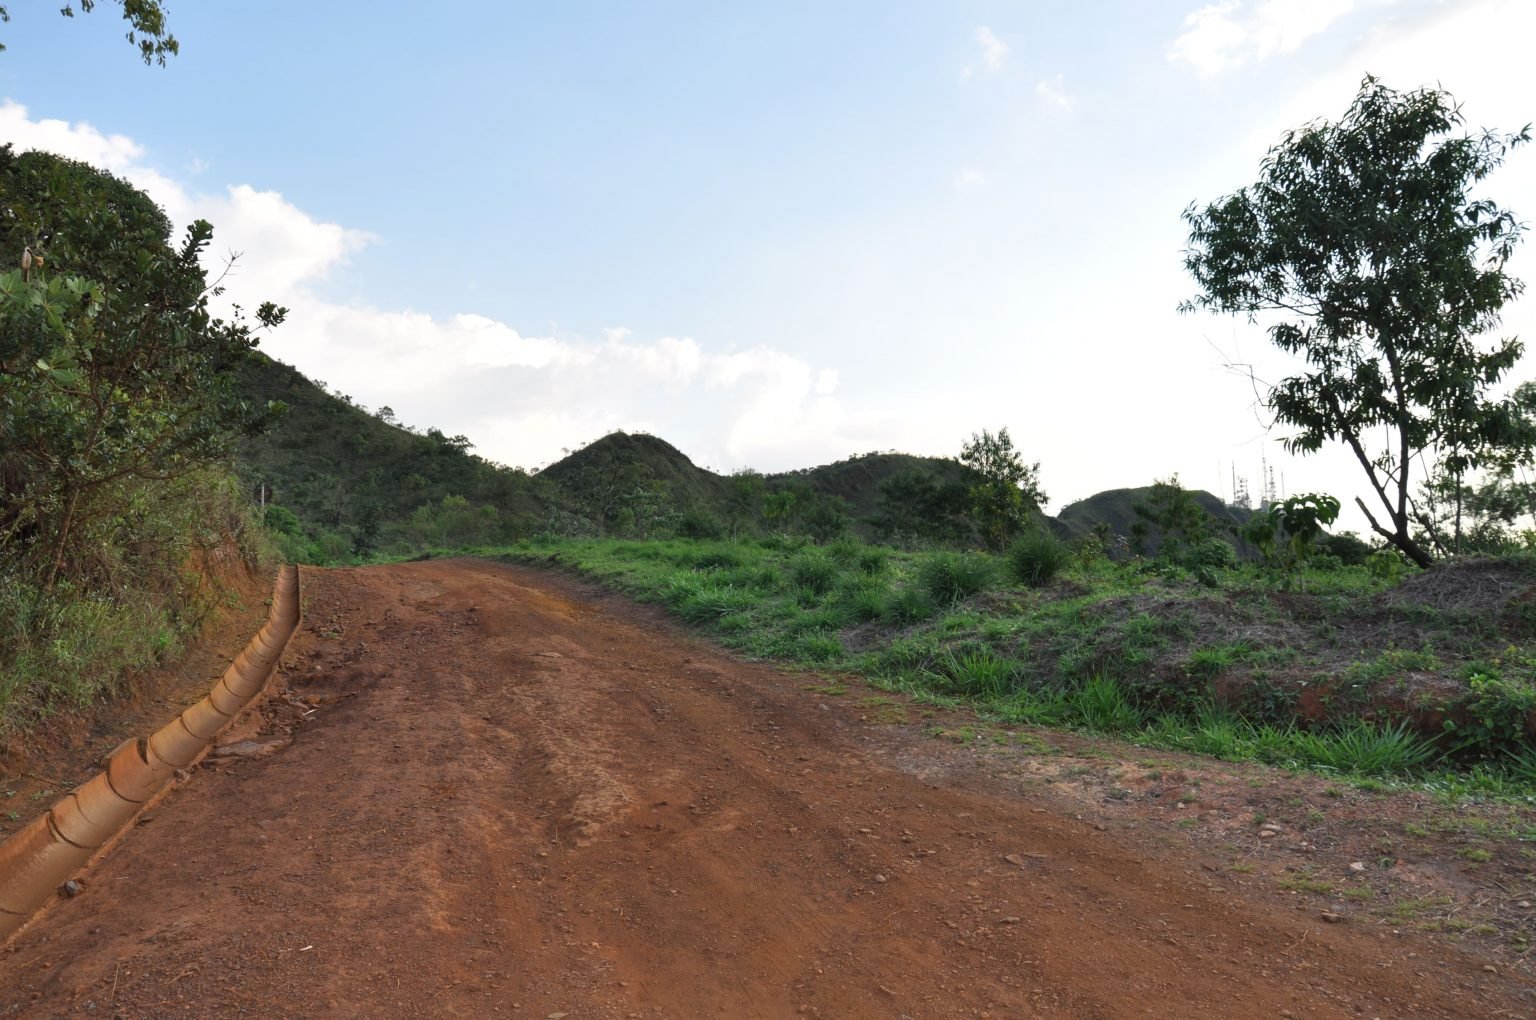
{"points": [[994, 52], [521, 399], [1223, 36], [1054, 93], [968, 177]]}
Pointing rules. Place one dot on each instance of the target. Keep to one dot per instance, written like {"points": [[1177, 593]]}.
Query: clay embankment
{"points": [[515, 798]]}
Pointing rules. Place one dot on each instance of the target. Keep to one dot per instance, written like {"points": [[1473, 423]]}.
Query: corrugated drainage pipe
{"points": [[38, 859]]}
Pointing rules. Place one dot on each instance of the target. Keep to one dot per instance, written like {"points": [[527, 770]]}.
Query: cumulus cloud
{"points": [[1223, 36], [521, 399]]}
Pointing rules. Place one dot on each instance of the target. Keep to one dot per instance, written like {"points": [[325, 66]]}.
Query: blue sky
{"points": [[775, 235]]}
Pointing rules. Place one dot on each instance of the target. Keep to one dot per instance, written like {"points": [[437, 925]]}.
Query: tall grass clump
{"points": [[949, 577], [1036, 558], [976, 672], [1366, 749], [1101, 704], [814, 571]]}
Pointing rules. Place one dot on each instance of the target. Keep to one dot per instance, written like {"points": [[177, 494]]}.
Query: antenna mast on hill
{"points": [[1240, 497]]}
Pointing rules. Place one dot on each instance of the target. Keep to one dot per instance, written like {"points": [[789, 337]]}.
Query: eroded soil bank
{"points": [[490, 791]]}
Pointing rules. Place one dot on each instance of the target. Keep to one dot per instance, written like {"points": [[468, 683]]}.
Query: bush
{"points": [[1208, 554], [950, 577], [1037, 558], [700, 524]]}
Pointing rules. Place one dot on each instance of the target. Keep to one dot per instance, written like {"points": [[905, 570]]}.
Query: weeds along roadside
{"points": [[1336, 669], [153, 575]]}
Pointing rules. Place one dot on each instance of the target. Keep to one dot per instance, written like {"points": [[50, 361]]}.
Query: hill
{"points": [[342, 470], [350, 481]]}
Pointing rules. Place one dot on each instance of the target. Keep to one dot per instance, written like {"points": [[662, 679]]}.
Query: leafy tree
{"points": [[1288, 533], [745, 503], [1363, 250], [147, 30], [1006, 492], [112, 366], [827, 518]]}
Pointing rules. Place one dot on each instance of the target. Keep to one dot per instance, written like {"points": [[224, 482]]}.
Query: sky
{"points": [[775, 235]]}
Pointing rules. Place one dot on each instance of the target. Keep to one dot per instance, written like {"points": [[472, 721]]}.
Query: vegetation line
{"points": [[1297, 668]]}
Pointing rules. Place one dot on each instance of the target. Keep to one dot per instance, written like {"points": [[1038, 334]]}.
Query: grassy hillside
{"points": [[1347, 669]]}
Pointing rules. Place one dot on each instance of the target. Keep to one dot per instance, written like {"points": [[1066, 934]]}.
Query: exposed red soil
{"points": [[507, 795]]}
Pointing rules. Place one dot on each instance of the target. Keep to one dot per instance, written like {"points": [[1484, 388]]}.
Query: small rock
{"points": [[1357, 866], [1523, 903], [880, 879], [249, 749], [1268, 833], [1009, 920], [71, 888], [1014, 859], [1490, 968], [1331, 917]]}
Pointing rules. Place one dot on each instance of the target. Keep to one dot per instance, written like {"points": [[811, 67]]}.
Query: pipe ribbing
{"points": [[43, 855]]}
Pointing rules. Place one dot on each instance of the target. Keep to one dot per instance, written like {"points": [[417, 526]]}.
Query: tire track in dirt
{"points": [[517, 798]]}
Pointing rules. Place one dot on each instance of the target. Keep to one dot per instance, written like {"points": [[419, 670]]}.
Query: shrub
{"points": [[1495, 711], [699, 524], [1208, 554], [1037, 558], [950, 577]]}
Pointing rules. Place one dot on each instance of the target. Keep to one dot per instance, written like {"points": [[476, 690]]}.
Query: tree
{"points": [[112, 367], [1363, 250], [146, 27], [1006, 490]]}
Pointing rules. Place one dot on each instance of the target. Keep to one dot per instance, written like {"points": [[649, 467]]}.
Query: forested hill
{"points": [[338, 467], [346, 481]]}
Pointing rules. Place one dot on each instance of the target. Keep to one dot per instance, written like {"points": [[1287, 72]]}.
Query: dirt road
{"points": [[516, 797]]}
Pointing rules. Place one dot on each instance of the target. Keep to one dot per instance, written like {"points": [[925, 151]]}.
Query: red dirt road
{"points": [[516, 797]]}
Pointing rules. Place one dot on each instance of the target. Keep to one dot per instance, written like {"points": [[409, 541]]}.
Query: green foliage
{"points": [[1495, 711], [919, 506], [950, 577], [147, 30], [1007, 490], [111, 364], [696, 523], [1101, 704], [1037, 557], [976, 672], [814, 571], [1171, 514], [1288, 534], [1382, 273], [1363, 748], [910, 605]]}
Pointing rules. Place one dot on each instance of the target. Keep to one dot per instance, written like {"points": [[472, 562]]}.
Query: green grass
{"points": [[1119, 649]]}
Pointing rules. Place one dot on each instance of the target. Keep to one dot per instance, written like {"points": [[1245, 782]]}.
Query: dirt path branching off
{"points": [[489, 791]]}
